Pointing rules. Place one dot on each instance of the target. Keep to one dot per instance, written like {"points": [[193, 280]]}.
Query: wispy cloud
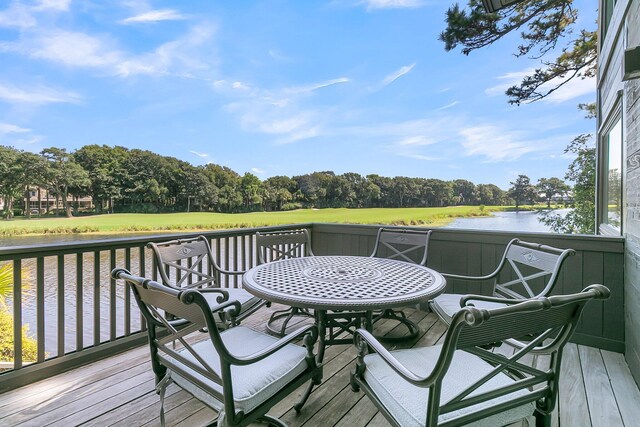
{"points": [[202, 155], [451, 104], [40, 95], [256, 170], [392, 4], [21, 15], [7, 128], [155, 16], [497, 144], [180, 57], [282, 113], [573, 89], [395, 76]]}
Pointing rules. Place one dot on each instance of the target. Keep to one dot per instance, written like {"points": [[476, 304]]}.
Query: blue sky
{"points": [[279, 88]]}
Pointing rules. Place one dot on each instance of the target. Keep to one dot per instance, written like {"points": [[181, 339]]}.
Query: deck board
{"points": [[596, 387]]}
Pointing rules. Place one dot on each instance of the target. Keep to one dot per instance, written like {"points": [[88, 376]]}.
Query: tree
{"points": [[543, 25], [466, 191], [62, 174], [550, 187], [522, 191], [582, 171], [10, 179]]}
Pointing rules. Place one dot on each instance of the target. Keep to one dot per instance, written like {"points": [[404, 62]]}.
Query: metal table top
{"points": [[343, 282]]}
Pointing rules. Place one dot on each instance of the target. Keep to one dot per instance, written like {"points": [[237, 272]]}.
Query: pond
{"points": [[505, 221]]}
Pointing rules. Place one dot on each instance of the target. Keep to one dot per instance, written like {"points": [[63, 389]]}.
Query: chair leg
{"points": [[542, 420], [399, 316], [287, 314], [271, 421]]}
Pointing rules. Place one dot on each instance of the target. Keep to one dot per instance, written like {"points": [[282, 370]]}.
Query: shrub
{"points": [[29, 345]]}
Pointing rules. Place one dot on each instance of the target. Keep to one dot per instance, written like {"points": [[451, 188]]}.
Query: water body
{"points": [[505, 221]]}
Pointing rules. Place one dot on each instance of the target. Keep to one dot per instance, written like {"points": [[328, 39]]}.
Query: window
{"points": [[612, 184], [607, 13]]}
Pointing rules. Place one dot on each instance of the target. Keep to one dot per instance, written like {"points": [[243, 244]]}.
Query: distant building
{"points": [[41, 202]]}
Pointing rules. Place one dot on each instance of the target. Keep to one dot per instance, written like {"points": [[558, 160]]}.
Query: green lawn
{"points": [[207, 221]]}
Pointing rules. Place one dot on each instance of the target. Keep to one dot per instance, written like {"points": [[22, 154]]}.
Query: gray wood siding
{"points": [[631, 123], [598, 260]]}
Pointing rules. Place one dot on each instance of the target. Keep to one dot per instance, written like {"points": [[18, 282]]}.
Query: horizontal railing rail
{"points": [[67, 310]]}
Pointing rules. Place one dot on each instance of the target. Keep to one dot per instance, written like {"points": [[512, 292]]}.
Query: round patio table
{"points": [[343, 285]]}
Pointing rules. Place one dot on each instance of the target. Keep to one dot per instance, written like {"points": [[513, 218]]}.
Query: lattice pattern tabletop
{"points": [[343, 282]]}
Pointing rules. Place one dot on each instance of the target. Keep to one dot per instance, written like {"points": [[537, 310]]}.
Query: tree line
{"points": [[133, 180]]}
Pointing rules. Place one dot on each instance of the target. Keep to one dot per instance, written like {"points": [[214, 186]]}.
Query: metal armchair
{"points": [[460, 382], [524, 267], [275, 246], [404, 245], [189, 263], [239, 372]]}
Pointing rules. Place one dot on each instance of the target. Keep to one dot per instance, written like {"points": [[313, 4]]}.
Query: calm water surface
{"points": [[505, 221]]}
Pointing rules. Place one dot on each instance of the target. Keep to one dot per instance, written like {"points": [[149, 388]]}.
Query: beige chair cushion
{"points": [[447, 305]]}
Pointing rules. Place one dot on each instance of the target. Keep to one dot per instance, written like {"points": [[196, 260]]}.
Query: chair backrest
{"points": [[548, 323], [402, 244], [167, 337], [186, 263], [277, 245], [527, 266]]}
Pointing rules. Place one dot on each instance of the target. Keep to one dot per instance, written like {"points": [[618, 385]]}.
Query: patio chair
{"points": [[460, 382], [523, 264], [189, 263], [404, 245], [275, 246], [239, 372]]}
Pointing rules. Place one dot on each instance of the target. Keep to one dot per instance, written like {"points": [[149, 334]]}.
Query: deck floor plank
{"points": [[596, 389], [602, 404], [625, 389]]}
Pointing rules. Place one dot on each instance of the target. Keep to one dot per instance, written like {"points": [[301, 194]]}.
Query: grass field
{"points": [[206, 221]]}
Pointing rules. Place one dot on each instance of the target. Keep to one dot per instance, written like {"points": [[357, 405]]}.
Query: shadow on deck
{"points": [[596, 389]]}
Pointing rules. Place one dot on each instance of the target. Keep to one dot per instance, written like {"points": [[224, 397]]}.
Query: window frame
{"points": [[602, 207]]}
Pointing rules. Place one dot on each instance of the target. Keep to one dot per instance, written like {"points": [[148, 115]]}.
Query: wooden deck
{"points": [[596, 389]]}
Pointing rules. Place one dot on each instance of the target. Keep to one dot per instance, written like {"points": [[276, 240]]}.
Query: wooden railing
{"points": [[76, 313], [598, 259]]}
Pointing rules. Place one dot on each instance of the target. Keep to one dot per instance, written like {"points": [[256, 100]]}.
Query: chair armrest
{"points": [[310, 330], [460, 277], [364, 336], [507, 301], [224, 295], [231, 272]]}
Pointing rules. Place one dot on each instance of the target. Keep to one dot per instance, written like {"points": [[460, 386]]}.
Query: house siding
{"points": [[613, 92]]}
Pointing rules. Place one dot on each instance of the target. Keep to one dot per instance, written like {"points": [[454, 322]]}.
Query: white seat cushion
{"points": [[447, 305], [252, 384], [408, 403]]}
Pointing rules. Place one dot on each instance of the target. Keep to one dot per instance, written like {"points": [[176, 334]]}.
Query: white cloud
{"points": [[496, 144], [40, 95], [203, 155], [155, 16], [392, 4], [180, 57], [21, 15], [6, 128], [256, 170], [396, 75], [445, 107], [416, 141], [281, 113], [575, 88]]}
